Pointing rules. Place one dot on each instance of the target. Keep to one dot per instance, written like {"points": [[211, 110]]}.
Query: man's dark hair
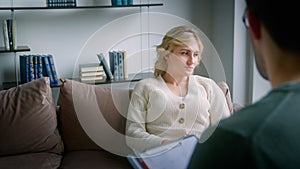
{"points": [[280, 19]]}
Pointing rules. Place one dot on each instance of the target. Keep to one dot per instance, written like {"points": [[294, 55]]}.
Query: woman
{"points": [[175, 103]]}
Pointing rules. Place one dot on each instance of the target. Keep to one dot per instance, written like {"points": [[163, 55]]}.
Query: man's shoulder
{"points": [[247, 121]]}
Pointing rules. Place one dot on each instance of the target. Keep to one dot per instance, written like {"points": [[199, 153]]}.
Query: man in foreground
{"points": [[265, 134]]}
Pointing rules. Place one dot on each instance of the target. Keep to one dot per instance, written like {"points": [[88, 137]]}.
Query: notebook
{"points": [[176, 154]]}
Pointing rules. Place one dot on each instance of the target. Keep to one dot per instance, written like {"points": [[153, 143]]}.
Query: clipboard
{"points": [[176, 154]]}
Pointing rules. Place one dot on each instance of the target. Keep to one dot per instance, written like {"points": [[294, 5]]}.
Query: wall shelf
{"points": [[79, 7], [19, 49]]}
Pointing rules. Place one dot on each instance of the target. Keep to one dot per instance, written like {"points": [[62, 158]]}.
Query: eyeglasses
{"points": [[245, 19]]}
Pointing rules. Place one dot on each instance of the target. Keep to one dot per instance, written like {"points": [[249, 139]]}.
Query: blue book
{"points": [[116, 2], [103, 62], [120, 64], [124, 2], [53, 69], [39, 66], [116, 65], [24, 68], [111, 61], [130, 2], [47, 69], [35, 66], [31, 68]]}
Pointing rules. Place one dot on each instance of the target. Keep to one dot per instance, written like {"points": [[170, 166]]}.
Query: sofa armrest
{"points": [[233, 107]]}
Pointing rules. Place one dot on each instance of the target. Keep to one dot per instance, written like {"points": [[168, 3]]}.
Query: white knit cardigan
{"points": [[154, 113]]}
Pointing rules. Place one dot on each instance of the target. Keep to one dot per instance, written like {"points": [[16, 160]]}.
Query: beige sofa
{"points": [[85, 130]]}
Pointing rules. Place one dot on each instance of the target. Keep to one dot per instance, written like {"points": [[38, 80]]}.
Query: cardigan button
{"points": [[181, 106], [181, 120]]}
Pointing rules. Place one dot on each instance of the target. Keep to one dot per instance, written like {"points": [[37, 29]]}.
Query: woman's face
{"points": [[183, 59]]}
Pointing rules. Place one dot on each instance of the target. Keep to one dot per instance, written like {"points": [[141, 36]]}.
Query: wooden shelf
{"points": [[80, 7], [19, 49]]}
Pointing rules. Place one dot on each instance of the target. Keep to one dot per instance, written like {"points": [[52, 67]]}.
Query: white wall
{"points": [[75, 36], [66, 33]]}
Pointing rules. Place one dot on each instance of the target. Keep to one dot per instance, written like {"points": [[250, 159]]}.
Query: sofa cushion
{"points": [[28, 120], [42, 160], [93, 117], [93, 160]]}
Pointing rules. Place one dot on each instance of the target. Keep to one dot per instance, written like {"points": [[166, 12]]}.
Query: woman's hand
{"points": [[164, 141]]}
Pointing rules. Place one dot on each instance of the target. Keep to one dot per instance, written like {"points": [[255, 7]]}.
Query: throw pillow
{"points": [[93, 117], [28, 120]]}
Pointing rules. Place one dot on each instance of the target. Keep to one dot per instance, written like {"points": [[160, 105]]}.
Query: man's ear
{"points": [[254, 24]]}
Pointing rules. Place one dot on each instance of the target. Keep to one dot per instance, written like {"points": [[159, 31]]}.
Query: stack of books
{"points": [[10, 34], [61, 3], [35, 66], [91, 72]]}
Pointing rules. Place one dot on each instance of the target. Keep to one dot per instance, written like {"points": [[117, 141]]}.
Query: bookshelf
{"points": [[80, 7], [12, 10]]}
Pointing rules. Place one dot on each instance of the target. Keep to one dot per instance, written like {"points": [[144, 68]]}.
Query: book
{"points": [[35, 65], [107, 70], [5, 35], [11, 28], [116, 2], [175, 154], [53, 69], [116, 65], [61, 3], [24, 68], [39, 66], [10, 36], [92, 74], [90, 67], [94, 78], [90, 79], [125, 64], [120, 64], [31, 68], [111, 62], [46, 68], [124, 2], [130, 2], [14, 33]]}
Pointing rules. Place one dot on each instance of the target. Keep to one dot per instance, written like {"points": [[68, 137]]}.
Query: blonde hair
{"points": [[177, 36]]}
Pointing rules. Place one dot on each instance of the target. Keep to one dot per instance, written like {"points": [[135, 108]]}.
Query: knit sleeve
{"points": [[219, 108], [137, 136]]}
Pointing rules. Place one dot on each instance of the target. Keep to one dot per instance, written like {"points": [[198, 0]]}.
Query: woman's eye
{"points": [[196, 55], [184, 53]]}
